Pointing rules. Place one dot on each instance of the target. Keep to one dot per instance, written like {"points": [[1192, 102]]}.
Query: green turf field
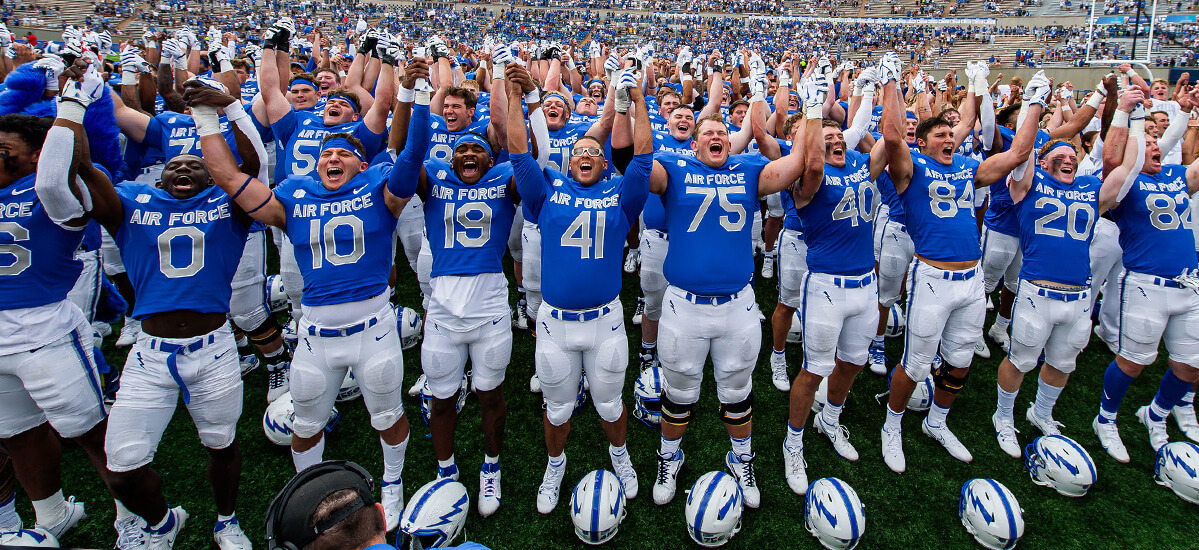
{"points": [[918, 509]]}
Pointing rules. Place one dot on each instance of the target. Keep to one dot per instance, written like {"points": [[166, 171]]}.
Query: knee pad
{"points": [[949, 381], [128, 456], [559, 413], [674, 413], [267, 330], [214, 437], [255, 316], [610, 411], [739, 413]]}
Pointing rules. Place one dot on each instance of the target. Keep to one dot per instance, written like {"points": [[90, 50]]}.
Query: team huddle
{"points": [[884, 202]]}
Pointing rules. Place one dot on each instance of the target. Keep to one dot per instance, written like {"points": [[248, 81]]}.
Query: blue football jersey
{"points": [[654, 214], [886, 188], [174, 134], [1056, 226], [838, 223], [663, 141], [708, 214], [343, 239], [583, 228], [468, 225], [561, 141], [180, 254], [299, 135], [1001, 216], [37, 256], [441, 142], [1155, 224], [249, 90], [938, 207]]}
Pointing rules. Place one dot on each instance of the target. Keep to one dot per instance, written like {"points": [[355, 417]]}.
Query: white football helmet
{"points": [[1059, 463], [922, 396], [426, 398], [279, 416], [991, 513], [647, 397], [821, 396], [276, 297], [597, 506], [714, 506], [895, 322], [795, 335], [435, 516], [29, 538], [349, 388], [834, 514], [1178, 468], [410, 325]]}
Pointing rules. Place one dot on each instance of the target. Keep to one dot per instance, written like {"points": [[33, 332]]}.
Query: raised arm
{"points": [[1120, 179], [408, 175], [894, 123], [271, 80], [996, 167], [64, 160], [813, 164], [785, 172]]}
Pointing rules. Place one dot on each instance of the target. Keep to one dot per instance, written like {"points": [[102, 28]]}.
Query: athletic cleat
{"points": [[627, 474], [768, 266], [1157, 429], [450, 471], [668, 476], [1048, 426], [129, 332], [551, 483], [249, 363], [838, 436], [535, 384], [130, 535], [228, 535], [632, 260], [101, 329], [878, 358], [947, 440], [520, 317], [981, 349], [796, 470], [393, 502], [778, 372], [75, 514], [893, 450], [1109, 438], [489, 488], [164, 539], [291, 333], [648, 361], [1000, 337], [1005, 433], [1184, 416], [742, 468], [415, 389], [637, 316], [277, 382]]}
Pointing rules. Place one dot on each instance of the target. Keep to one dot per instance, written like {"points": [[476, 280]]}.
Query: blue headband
{"points": [[912, 116], [301, 81], [342, 143], [1060, 144], [345, 97], [472, 138]]}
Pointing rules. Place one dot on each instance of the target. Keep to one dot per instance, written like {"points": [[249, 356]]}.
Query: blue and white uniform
{"points": [[1158, 245], [299, 135], [654, 242], [343, 243], [181, 255], [1052, 308], [894, 246], [945, 308], [582, 321], [840, 294], [1001, 231], [47, 370], [792, 250], [709, 307]]}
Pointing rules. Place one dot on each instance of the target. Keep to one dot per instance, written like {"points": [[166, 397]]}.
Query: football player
{"points": [[341, 227], [582, 220], [946, 305], [188, 227]]}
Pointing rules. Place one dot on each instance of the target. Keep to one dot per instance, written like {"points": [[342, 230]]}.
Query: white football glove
{"points": [[1037, 90], [85, 92], [54, 66], [210, 82], [812, 93]]}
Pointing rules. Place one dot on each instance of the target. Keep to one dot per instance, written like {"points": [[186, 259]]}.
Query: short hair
{"points": [[669, 92], [1089, 137], [583, 137], [30, 129], [348, 94], [948, 110], [560, 96], [717, 118], [240, 63], [336, 76], [1160, 81], [929, 124], [790, 123], [1004, 116], [677, 107], [302, 76], [738, 103], [358, 529], [465, 94]]}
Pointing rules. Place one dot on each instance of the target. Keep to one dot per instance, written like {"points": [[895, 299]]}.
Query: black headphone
{"points": [[289, 523]]}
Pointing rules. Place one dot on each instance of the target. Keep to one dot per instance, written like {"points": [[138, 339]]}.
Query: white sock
{"points": [[1007, 402], [122, 511], [1002, 322], [1046, 398], [832, 413], [311, 456], [1187, 400], [51, 510], [617, 452], [393, 459], [8, 512], [242, 341], [936, 415], [491, 459], [220, 517], [446, 463], [670, 447], [894, 422], [741, 446], [794, 439], [558, 461]]}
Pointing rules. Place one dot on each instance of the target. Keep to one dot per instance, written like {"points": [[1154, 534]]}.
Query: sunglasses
{"points": [[587, 152]]}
